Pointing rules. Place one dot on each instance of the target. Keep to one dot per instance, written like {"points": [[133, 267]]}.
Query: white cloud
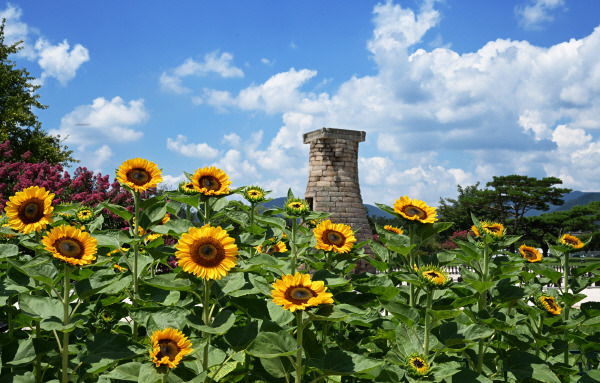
{"points": [[101, 155], [537, 12], [509, 107], [221, 64], [180, 145], [103, 121], [56, 60], [171, 182]]}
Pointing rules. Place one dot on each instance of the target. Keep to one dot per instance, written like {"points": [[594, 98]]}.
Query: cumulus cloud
{"points": [[103, 121], [508, 107], [220, 64], [180, 145], [171, 182], [58, 61], [101, 156], [536, 12]]}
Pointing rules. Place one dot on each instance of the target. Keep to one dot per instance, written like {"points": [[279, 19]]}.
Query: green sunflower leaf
{"points": [[8, 250], [169, 281], [272, 345], [220, 325], [341, 362], [118, 210]]}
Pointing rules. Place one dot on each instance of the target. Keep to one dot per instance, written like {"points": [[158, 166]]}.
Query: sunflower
{"points": [[169, 346], [254, 194], [571, 241], [30, 210], [297, 292], [71, 245], [494, 229], [393, 229], [415, 209], [187, 188], [549, 304], [434, 276], [208, 252], [334, 237], [85, 214], [531, 254], [417, 365], [296, 207], [278, 247], [211, 181], [139, 174], [165, 219]]}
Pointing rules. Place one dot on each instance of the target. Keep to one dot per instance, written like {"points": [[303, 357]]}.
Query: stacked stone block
{"points": [[333, 178]]}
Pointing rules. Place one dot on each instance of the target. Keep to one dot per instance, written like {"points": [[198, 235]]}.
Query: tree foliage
{"points": [[18, 123]]}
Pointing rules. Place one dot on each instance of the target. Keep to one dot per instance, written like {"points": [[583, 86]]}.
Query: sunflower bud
{"points": [[254, 194], [296, 207], [416, 365], [187, 188], [434, 276], [571, 241], [85, 214]]}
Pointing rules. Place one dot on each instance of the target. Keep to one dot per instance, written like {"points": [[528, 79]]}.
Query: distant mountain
{"points": [[572, 199], [371, 210]]}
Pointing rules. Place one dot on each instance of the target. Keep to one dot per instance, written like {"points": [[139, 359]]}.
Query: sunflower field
{"points": [[204, 286]]}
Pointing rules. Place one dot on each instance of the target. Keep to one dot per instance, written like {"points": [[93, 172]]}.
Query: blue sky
{"points": [[449, 92]]}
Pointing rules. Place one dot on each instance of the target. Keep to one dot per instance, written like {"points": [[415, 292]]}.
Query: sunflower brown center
{"points": [[69, 248], [411, 211], [207, 252], [299, 294], [550, 302], [570, 241], [334, 238], [418, 363], [168, 348], [492, 229], [138, 176], [254, 193], [31, 211], [529, 254], [209, 183]]}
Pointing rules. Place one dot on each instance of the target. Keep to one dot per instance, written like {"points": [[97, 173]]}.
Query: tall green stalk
{"points": [[299, 331], [207, 321], [38, 332], [427, 322], [540, 328], [483, 302], [136, 236], [567, 307], [65, 343], [293, 245], [411, 261]]}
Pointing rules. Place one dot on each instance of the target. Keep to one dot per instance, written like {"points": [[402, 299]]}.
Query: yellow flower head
{"points": [[278, 247], [417, 365], [296, 207], [207, 252], [139, 174], [494, 229], [71, 245], [549, 304], [434, 276], [254, 194], [334, 237], [415, 209], [169, 346], [30, 210], [85, 214], [211, 181], [187, 188], [297, 292], [393, 229], [531, 254], [571, 241], [165, 219]]}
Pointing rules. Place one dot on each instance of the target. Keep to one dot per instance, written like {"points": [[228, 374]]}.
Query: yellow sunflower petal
{"points": [[414, 209], [30, 210], [139, 174]]}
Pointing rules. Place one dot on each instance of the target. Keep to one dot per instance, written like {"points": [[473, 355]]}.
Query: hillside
{"points": [[574, 198], [371, 209]]}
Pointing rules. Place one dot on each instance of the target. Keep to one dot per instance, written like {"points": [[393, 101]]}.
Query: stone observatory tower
{"points": [[333, 178]]}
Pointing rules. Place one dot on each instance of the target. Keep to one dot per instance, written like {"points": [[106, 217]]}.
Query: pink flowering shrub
{"points": [[85, 186], [449, 244]]}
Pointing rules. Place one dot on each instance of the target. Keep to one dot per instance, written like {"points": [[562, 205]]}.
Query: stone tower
{"points": [[333, 178]]}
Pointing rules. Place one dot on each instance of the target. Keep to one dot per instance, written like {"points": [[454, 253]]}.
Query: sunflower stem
{"points": [[411, 260], [136, 235], [38, 333], [293, 245], [65, 345], [482, 303], [539, 333], [300, 328], [188, 214], [567, 307], [206, 318], [427, 323], [206, 212]]}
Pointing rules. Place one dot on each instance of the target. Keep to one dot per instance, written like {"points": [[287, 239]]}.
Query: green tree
{"points": [[18, 123], [459, 210], [509, 198]]}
